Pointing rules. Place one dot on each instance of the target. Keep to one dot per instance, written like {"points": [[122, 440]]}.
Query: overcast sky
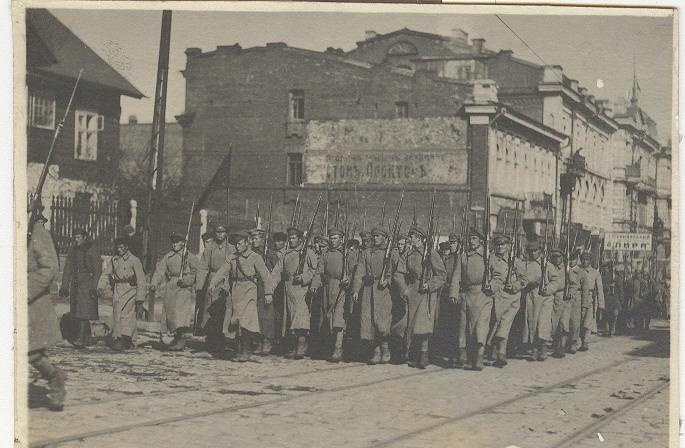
{"points": [[590, 48]]}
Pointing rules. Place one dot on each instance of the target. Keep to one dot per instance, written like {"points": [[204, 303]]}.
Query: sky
{"points": [[597, 50]]}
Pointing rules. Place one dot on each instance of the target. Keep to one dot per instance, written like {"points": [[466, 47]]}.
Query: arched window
{"points": [[402, 49]]}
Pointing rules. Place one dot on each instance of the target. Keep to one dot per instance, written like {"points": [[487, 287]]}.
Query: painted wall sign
{"points": [[628, 241]]}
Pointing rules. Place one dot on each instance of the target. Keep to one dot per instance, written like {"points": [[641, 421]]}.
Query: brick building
{"points": [[86, 155]]}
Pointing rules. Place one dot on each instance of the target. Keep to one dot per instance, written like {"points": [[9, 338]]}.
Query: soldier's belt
{"points": [[246, 279], [116, 280], [331, 277]]}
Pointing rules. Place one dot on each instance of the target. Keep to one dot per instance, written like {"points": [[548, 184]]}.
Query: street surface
{"points": [[615, 395]]}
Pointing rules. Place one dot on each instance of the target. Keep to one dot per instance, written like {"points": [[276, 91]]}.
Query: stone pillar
{"points": [[203, 228]]}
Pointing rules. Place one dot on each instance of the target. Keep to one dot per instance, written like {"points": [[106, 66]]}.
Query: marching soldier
{"points": [[506, 298], [239, 277], [177, 269], [375, 301], [476, 306], [367, 240], [331, 276], [538, 317], [43, 268], [207, 239], [445, 313], [574, 297], [592, 299], [280, 240], [265, 311], [297, 289], [453, 241], [421, 298], [398, 326], [553, 294], [80, 278], [212, 308], [128, 294]]}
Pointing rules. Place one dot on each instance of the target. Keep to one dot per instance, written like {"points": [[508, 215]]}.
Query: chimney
{"points": [[484, 91], [505, 54], [553, 73], [582, 90], [132, 119], [228, 49], [477, 45], [370, 34], [193, 51], [460, 36]]}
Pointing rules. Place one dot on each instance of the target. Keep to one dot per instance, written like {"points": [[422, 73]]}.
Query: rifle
{"points": [[413, 223], [436, 234], [307, 239], [292, 218], [364, 221], [35, 206], [487, 288], [256, 217], [543, 259], [425, 256], [512, 253], [344, 281], [393, 239], [337, 211], [463, 243], [382, 215], [267, 236], [184, 255]]}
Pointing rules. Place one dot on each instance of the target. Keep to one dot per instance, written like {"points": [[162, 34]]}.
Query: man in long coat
{"points": [[592, 299], [476, 305], [550, 297], [562, 306], [240, 278], [421, 298], [297, 288], [375, 300], [214, 307], [128, 294], [80, 277], [398, 327], [178, 269], [43, 268], [265, 311], [334, 279], [574, 298]]}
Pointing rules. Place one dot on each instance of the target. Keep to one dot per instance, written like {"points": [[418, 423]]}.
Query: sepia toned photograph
{"points": [[302, 225]]}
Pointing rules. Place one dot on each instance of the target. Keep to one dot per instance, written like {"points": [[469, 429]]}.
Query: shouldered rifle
{"points": [[307, 239], [543, 257], [463, 243], [267, 236], [35, 206], [511, 258], [487, 288], [184, 254], [294, 216], [425, 256], [393, 239]]}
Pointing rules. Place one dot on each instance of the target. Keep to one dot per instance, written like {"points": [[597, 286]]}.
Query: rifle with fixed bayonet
{"points": [[385, 272], [543, 258], [511, 258], [184, 254], [294, 216], [487, 288], [267, 236], [425, 256], [307, 239]]}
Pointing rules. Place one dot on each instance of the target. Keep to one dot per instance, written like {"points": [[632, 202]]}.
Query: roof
{"points": [[71, 54]]}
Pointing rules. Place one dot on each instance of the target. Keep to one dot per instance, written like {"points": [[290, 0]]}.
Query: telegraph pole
{"points": [[157, 144]]}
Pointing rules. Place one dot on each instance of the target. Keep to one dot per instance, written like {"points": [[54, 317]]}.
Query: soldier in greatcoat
{"points": [[214, 307], [240, 277], [265, 311], [398, 327], [43, 268], [351, 344], [334, 281], [445, 314], [280, 240], [80, 278], [506, 301], [476, 305], [127, 279], [375, 301], [574, 297], [592, 299], [421, 298], [538, 324], [297, 288], [561, 308], [554, 308], [178, 271]]}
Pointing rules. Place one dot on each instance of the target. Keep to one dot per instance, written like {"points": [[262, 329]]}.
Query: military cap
{"points": [[474, 232], [121, 241], [294, 231], [445, 245], [453, 238], [501, 239], [41, 217], [175, 237], [207, 236], [402, 236], [585, 255], [415, 230], [279, 236], [335, 231], [556, 253], [256, 231], [239, 236], [533, 245], [220, 228], [353, 243], [365, 235], [379, 231]]}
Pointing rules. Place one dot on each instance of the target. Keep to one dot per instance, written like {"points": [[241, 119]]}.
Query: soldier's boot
{"points": [[491, 351], [120, 344], [385, 352], [178, 344], [376, 357], [559, 349], [424, 359], [541, 351], [266, 347], [245, 349], [584, 346], [336, 356], [478, 359], [301, 349], [501, 355], [412, 355], [55, 378], [259, 348], [462, 357], [573, 348]]}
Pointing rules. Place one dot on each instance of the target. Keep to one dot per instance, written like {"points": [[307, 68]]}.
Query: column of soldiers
{"points": [[379, 300]]}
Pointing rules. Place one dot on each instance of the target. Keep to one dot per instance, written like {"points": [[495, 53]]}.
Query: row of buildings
{"points": [[403, 111]]}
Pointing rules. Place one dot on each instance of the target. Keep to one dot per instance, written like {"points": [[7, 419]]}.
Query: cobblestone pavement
{"points": [[615, 395]]}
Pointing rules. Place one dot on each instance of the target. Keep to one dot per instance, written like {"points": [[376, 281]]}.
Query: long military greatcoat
{"points": [[43, 268], [477, 307], [179, 301], [213, 257], [506, 304], [329, 274], [592, 297], [421, 306], [128, 287], [80, 277], [375, 301], [575, 317], [561, 308], [297, 309]]}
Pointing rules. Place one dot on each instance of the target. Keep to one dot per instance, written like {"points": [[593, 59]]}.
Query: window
{"points": [[88, 124], [41, 112], [297, 104], [402, 109], [294, 169]]}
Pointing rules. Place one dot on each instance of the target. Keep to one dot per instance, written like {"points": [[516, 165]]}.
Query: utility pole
{"points": [[157, 144]]}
